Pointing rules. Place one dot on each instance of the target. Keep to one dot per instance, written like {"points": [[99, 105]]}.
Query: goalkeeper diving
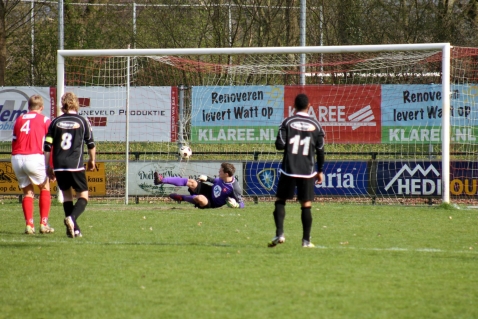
{"points": [[225, 189]]}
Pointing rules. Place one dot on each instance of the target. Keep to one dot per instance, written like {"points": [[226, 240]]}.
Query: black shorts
{"points": [[205, 190], [287, 185], [75, 180]]}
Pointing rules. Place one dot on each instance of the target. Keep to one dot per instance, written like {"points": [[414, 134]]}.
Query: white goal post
{"points": [[444, 48]]}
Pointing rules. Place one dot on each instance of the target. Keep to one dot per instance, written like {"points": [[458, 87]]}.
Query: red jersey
{"points": [[28, 133]]}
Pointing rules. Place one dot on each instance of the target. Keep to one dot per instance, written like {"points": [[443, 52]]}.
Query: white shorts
{"points": [[29, 169]]}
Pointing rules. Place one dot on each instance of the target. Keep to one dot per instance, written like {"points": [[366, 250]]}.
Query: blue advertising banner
{"points": [[464, 178], [420, 105], [413, 113], [262, 178], [236, 114], [411, 105], [344, 179], [409, 178], [341, 178]]}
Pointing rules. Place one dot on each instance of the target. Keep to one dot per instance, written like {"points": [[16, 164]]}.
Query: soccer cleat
{"points": [[158, 179], [307, 244], [276, 240], [77, 233], [46, 229], [70, 226], [176, 197], [29, 230]]}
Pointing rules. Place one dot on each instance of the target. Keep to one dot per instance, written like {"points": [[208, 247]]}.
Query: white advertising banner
{"points": [[141, 178], [14, 102], [152, 112]]}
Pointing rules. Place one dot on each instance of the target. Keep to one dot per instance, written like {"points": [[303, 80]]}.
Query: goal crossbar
{"points": [[257, 50]]}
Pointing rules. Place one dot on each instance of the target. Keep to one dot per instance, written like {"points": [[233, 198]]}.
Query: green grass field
{"points": [[173, 261]]}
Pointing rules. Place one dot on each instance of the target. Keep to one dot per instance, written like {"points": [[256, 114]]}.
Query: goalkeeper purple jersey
{"points": [[222, 190]]}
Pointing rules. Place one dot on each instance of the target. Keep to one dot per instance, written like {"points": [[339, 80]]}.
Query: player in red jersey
{"points": [[28, 162]]}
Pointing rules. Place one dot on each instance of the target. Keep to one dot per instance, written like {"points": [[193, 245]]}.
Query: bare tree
{"points": [[103, 24], [14, 15]]}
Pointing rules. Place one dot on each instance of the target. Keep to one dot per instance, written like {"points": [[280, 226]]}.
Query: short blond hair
{"points": [[69, 102], [35, 102]]}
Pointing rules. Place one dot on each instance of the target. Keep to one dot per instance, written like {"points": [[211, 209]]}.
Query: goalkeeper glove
{"points": [[205, 178], [231, 202]]}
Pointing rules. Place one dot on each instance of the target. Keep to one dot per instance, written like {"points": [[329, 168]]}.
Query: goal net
{"points": [[400, 120]]}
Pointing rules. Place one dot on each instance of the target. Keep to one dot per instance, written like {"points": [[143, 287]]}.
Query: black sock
{"points": [[79, 208], [68, 208], [279, 216], [306, 217]]}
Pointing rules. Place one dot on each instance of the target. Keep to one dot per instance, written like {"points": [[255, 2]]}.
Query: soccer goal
{"points": [[400, 120]]}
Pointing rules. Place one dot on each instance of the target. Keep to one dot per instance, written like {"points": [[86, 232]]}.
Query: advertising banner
{"points": [[152, 112], [464, 179], [262, 178], [141, 175], [344, 178], [236, 114], [347, 113], [96, 180], [341, 178], [409, 178], [391, 113], [14, 102], [413, 113], [9, 184]]}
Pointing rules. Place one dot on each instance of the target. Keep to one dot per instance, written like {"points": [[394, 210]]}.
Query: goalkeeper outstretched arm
{"points": [[238, 201]]}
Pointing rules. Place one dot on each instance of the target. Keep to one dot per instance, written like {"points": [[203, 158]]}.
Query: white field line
{"points": [[422, 250], [83, 241]]}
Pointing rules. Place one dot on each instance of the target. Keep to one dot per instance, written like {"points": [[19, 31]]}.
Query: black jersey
{"points": [[301, 137], [67, 135]]}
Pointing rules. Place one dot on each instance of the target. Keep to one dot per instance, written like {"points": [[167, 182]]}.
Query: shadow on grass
{"points": [[17, 245], [32, 240], [163, 244], [18, 233]]}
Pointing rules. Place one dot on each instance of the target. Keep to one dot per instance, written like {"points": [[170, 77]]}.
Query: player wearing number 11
{"points": [[67, 135], [302, 139]]}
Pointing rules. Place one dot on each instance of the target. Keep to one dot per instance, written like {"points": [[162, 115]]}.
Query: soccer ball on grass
{"points": [[185, 152]]}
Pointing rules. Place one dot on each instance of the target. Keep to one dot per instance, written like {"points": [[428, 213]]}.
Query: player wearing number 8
{"points": [[302, 139], [67, 136]]}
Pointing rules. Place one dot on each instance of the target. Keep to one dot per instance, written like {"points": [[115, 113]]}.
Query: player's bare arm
{"points": [[49, 170], [92, 159], [320, 178]]}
